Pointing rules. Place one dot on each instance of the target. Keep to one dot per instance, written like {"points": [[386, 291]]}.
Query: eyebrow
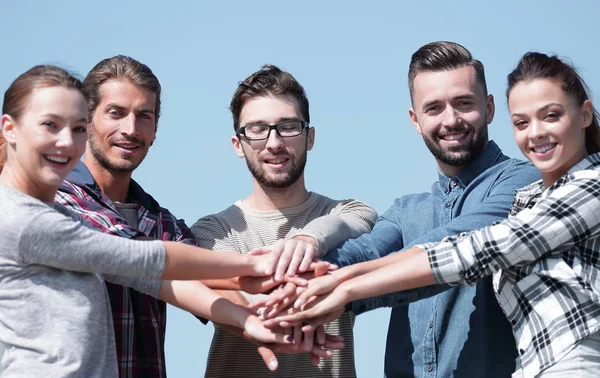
{"points": [[56, 116], [279, 120], [119, 107], [545, 107], [461, 97]]}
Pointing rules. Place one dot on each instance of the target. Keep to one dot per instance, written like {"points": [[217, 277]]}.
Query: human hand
{"points": [[262, 285], [323, 347], [318, 310], [282, 297], [292, 255], [255, 329]]}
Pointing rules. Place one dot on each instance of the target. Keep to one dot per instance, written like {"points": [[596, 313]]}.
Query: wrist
{"points": [[239, 316], [348, 292], [307, 239]]}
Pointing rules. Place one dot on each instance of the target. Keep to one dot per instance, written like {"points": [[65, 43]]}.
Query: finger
{"points": [[260, 251], [297, 337], [287, 290], [321, 269], [315, 359], [296, 280], [320, 335], [332, 266], [284, 260], [320, 352], [309, 254], [297, 257], [309, 338], [268, 357]]}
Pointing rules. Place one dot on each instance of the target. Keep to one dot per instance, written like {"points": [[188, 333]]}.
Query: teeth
{"points": [[128, 147], [544, 148], [56, 159], [454, 136]]}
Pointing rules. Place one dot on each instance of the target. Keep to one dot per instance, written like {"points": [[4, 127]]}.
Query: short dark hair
{"points": [[535, 65], [120, 67], [443, 56], [268, 81]]}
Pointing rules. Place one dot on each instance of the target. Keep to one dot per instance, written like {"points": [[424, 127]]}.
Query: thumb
{"points": [[260, 251], [268, 357]]}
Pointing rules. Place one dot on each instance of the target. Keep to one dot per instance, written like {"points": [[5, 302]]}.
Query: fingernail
{"points": [[278, 277], [272, 365]]}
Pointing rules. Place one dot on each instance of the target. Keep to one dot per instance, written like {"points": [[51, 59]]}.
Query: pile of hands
{"points": [[301, 298]]}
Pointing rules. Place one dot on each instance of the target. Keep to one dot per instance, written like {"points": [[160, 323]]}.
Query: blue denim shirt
{"points": [[450, 331]]}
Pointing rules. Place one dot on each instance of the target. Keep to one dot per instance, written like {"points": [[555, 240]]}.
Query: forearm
{"points": [[185, 262], [362, 268], [349, 222], [224, 284], [410, 269], [196, 298]]}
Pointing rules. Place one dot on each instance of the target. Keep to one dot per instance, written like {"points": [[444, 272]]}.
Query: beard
{"points": [[460, 155], [278, 181], [127, 166]]}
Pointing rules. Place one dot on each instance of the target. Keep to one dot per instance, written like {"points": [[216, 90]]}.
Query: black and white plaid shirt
{"points": [[546, 257]]}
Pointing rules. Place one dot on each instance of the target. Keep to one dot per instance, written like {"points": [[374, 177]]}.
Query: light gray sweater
{"points": [[55, 316]]}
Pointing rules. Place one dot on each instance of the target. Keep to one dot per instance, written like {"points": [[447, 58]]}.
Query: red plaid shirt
{"points": [[139, 319]]}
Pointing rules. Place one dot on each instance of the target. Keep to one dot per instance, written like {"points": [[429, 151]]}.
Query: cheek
{"points": [[521, 139]]}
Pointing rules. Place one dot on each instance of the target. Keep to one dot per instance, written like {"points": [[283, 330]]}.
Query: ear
{"points": [[587, 111], [311, 139], [490, 109], [237, 146], [8, 128], [413, 117]]}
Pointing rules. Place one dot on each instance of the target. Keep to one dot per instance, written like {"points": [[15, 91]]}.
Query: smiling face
{"points": [[123, 126], [47, 140], [549, 126], [451, 112], [274, 162]]}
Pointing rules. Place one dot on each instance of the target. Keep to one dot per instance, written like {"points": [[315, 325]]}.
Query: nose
{"points": [[65, 138], [129, 125], [274, 141], [450, 117], [536, 130]]}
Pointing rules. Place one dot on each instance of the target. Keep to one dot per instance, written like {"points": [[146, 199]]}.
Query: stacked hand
{"points": [[293, 265]]}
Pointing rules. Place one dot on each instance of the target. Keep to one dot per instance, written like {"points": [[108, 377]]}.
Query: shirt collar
{"points": [[488, 157], [82, 177], [524, 196]]}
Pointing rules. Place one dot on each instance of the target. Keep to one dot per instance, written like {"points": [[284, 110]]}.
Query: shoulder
{"points": [[222, 221]]}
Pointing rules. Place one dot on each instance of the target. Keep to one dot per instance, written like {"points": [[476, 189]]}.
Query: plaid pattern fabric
{"points": [[546, 260], [139, 319]]}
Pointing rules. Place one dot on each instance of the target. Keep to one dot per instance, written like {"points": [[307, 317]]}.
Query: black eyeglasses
{"points": [[286, 129]]}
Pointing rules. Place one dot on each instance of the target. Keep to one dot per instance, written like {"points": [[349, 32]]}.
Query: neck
{"points": [[115, 185], [12, 179], [450, 170], [265, 198]]}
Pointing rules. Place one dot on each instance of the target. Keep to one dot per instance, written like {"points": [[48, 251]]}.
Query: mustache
{"points": [[131, 140]]}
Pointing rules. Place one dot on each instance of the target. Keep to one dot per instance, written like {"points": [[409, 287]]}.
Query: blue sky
{"points": [[352, 58]]}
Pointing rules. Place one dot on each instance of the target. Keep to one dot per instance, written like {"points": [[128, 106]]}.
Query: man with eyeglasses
{"points": [[272, 132]]}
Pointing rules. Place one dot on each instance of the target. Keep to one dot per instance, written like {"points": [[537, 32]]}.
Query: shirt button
{"points": [[521, 351], [447, 204], [453, 183], [430, 325], [429, 368]]}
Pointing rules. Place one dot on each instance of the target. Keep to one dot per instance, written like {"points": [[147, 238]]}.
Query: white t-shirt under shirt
{"points": [[242, 229]]}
